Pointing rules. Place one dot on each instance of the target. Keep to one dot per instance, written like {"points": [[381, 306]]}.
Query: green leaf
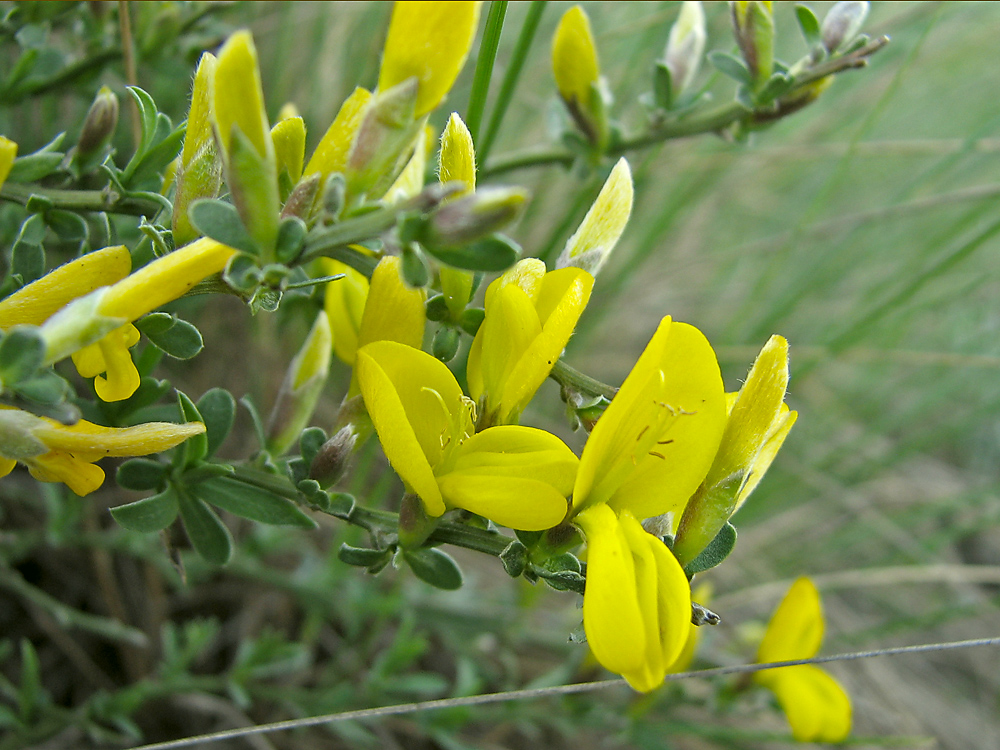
{"points": [[291, 237], [663, 90], [22, 351], [30, 695], [494, 253], [414, 268], [195, 448], [161, 154], [218, 409], [221, 221], [148, 515], [33, 167], [141, 474], [362, 557], [809, 25], [248, 501], [67, 225], [310, 441], [209, 536], [242, 273], [437, 308], [46, 388], [179, 339], [434, 567], [471, 319], [147, 114], [716, 551], [514, 558], [777, 85], [730, 65], [445, 344]]}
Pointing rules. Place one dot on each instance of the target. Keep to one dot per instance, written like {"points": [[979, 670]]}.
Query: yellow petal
{"points": [[458, 155], [511, 324], [91, 441], [313, 359], [238, 97], [80, 476], [89, 361], [796, 627], [599, 232], [6, 466], [574, 56], [198, 134], [674, 600], [289, 139], [669, 410], [653, 669], [429, 41], [122, 379], [516, 451], [612, 618], [345, 304], [416, 406], [393, 311], [516, 502], [528, 274], [817, 707], [165, 279], [762, 461], [39, 300], [331, 154], [8, 152]]}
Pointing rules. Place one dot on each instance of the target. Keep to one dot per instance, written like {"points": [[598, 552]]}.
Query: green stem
{"points": [[512, 76], [569, 377], [67, 616], [484, 67], [710, 121], [81, 200]]}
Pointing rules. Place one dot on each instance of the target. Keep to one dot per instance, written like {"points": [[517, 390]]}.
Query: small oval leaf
{"points": [[251, 502], [208, 535], [148, 515], [434, 567]]}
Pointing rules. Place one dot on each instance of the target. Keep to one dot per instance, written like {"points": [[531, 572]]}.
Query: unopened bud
{"points": [[387, 128], [289, 139], [301, 198], [578, 74], [842, 23], [475, 216], [99, 125], [753, 25], [685, 46], [8, 152], [445, 344], [457, 160], [599, 232], [333, 457]]}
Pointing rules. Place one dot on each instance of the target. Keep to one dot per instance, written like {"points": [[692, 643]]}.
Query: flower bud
{"points": [[411, 180], [842, 24], [753, 24], [457, 164], [475, 216], [98, 127], [685, 46], [578, 75], [331, 460], [301, 389], [598, 233], [8, 152], [289, 139]]}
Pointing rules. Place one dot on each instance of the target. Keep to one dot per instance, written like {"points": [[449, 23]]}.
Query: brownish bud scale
{"points": [[98, 126], [332, 459]]}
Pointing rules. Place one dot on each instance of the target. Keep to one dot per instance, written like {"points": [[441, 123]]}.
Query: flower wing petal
{"points": [[516, 451], [516, 502], [817, 707]]}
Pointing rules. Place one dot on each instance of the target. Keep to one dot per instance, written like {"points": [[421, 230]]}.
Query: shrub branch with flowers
{"points": [[228, 204]]}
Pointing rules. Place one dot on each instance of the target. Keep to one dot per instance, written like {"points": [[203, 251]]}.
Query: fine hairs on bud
{"points": [[842, 23], [332, 459]]}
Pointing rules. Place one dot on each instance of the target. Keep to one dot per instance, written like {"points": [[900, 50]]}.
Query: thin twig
{"points": [[128, 58], [584, 687]]}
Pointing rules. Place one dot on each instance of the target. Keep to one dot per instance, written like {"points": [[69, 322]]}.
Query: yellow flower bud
{"points": [[8, 152], [331, 154], [457, 160], [574, 57], [289, 138], [603, 225], [238, 97]]}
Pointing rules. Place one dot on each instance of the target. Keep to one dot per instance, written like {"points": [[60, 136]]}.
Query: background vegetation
{"points": [[863, 229]]}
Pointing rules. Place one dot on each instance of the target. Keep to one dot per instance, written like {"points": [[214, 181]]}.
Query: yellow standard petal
{"points": [[289, 139], [796, 627], [599, 232], [8, 152], [429, 41], [817, 707], [574, 57], [39, 300], [650, 449], [331, 154], [344, 304], [238, 96], [393, 311]]}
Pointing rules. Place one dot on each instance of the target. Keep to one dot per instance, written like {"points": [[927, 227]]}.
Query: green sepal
{"points": [[730, 65], [445, 343], [514, 558], [206, 531], [414, 268], [221, 222], [141, 474], [22, 352], [195, 448], [437, 308], [291, 239], [218, 410], [472, 319], [362, 557], [149, 515], [175, 337], [716, 551], [491, 254], [310, 441], [434, 567], [254, 503]]}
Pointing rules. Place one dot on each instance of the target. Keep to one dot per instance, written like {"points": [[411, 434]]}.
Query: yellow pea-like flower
{"points": [[55, 452], [516, 476], [428, 41], [817, 707], [8, 152], [637, 601], [530, 316], [599, 232]]}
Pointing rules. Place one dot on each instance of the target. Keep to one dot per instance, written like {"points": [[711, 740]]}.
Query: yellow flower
{"points": [[331, 154], [457, 163], [637, 601], [56, 453], [8, 152], [756, 427], [429, 41], [701, 594], [516, 476], [530, 315], [578, 75], [817, 707], [598, 233], [101, 316], [653, 445]]}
